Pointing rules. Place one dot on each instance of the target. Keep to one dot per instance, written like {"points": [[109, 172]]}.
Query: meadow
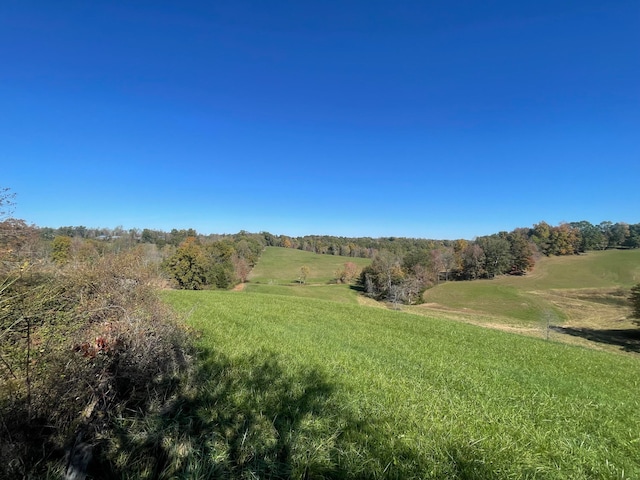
{"points": [[578, 299], [282, 266], [309, 388], [306, 381], [278, 273]]}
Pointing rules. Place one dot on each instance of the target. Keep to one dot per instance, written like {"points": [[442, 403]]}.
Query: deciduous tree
{"points": [[188, 265], [304, 273], [497, 255]]}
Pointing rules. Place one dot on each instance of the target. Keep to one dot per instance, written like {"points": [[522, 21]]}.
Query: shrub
{"points": [[80, 346]]}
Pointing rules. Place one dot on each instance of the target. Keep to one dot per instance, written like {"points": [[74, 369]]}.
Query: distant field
{"points": [[305, 388], [606, 269], [585, 294], [282, 266], [490, 297]]}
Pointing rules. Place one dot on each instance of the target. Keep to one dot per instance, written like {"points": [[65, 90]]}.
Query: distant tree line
{"points": [[188, 259], [402, 275], [401, 269]]}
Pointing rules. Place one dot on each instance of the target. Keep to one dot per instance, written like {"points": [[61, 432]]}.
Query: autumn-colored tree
{"points": [[458, 252], [563, 240], [521, 252], [241, 268], [540, 234], [348, 273], [304, 273]]}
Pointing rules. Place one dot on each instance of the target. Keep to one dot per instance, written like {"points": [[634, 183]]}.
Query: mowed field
{"points": [[294, 387], [278, 272], [580, 299]]}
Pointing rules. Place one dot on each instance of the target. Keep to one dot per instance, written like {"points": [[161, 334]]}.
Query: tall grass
{"points": [[305, 388]]}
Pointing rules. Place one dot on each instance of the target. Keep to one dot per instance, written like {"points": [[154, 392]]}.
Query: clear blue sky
{"points": [[436, 119]]}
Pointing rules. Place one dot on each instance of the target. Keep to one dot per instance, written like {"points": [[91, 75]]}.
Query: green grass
{"points": [[528, 300], [282, 266], [306, 388], [336, 293], [606, 269], [490, 297]]}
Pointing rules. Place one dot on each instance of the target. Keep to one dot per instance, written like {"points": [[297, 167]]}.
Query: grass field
{"points": [[278, 273], [334, 292], [582, 297], [282, 266], [307, 388]]}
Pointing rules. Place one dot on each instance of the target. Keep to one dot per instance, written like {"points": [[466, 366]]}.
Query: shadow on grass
{"points": [[627, 339], [254, 418], [241, 418]]}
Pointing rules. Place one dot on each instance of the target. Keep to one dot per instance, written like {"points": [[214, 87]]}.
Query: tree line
{"points": [[402, 275], [402, 267]]}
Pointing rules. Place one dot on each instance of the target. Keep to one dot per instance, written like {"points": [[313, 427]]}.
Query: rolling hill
{"points": [[309, 388], [293, 387]]}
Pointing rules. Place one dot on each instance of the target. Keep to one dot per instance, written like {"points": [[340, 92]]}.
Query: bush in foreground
{"points": [[81, 346]]}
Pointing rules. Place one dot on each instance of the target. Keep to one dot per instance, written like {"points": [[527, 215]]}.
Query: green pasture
{"points": [[505, 303], [305, 388], [603, 269], [333, 292], [279, 265], [532, 298]]}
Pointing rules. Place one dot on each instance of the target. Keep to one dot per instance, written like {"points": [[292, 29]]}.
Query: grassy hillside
{"points": [[305, 388], [282, 266], [576, 292], [575, 299], [278, 272]]}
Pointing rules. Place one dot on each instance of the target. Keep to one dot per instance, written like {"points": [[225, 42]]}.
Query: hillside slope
{"points": [[310, 388], [278, 272], [582, 296]]}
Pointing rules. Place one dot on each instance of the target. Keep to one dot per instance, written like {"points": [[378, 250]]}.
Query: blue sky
{"points": [[355, 118]]}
